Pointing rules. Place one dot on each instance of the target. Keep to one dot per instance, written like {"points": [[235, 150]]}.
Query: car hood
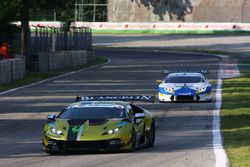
{"points": [[175, 86], [93, 129]]}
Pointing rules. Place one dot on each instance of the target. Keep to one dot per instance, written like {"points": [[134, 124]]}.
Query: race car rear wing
{"points": [[144, 98], [185, 71]]}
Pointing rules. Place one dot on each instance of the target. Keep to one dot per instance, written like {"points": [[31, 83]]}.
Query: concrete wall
{"points": [[179, 10], [12, 69], [59, 60], [222, 11]]}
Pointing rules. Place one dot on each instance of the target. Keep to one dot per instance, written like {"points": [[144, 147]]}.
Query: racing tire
{"points": [[49, 151]]}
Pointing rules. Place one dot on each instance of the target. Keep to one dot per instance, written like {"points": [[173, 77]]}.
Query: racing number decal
{"points": [[75, 129], [73, 132]]}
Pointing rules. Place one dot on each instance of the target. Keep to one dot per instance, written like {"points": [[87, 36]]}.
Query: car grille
{"points": [[185, 98], [88, 145]]}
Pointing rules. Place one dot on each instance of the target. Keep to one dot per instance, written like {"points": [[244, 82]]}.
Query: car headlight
{"points": [[112, 131], [202, 90], [56, 131], [169, 90]]}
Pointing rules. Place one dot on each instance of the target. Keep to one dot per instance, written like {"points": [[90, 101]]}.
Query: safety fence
{"points": [[59, 47], [53, 36], [51, 39]]}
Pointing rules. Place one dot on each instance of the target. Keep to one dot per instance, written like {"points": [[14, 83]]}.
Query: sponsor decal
{"points": [[124, 97], [165, 26], [146, 26], [185, 91], [75, 129]]}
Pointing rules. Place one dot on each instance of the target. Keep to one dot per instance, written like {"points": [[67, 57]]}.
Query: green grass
{"points": [[32, 77], [235, 115]]}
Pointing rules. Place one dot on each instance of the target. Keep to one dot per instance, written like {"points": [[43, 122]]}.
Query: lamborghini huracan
{"points": [[185, 86], [104, 124]]}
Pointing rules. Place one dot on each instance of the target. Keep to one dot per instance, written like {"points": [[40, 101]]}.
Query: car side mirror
{"points": [[51, 117], [139, 117], [159, 81]]}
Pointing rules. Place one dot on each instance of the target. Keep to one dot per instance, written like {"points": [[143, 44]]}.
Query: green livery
{"points": [[99, 125], [76, 129]]}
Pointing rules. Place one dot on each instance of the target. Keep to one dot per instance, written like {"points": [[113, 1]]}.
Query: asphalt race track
{"points": [[183, 136]]}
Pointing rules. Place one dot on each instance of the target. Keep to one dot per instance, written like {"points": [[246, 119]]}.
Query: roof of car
{"points": [[184, 74]]}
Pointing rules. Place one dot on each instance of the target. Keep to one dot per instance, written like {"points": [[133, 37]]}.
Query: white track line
{"points": [[220, 154], [59, 76]]}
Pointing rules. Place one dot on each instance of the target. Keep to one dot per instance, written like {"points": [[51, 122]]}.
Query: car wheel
{"points": [[160, 101], [49, 151], [209, 101]]}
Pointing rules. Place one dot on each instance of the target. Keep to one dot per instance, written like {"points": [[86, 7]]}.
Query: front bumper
{"points": [[58, 145], [197, 97]]}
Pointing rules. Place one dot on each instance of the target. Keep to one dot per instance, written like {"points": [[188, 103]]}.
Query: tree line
{"points": [[26, 10], [41, 10]]}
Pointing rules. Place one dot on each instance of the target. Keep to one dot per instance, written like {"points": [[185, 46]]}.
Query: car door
{"points": [[139, 124]]}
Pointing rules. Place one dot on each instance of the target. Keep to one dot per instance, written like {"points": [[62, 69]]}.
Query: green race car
{"points": [[100, 124]]}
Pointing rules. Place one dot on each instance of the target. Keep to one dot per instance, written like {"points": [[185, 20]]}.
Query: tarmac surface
{"points": [[227, 43], [184, 130]]}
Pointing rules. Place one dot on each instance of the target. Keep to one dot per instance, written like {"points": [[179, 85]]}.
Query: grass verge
{"points": [[235, 116], [32, 77]]}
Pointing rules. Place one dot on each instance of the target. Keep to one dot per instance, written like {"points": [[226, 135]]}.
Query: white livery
{"points": [[185, 86]]}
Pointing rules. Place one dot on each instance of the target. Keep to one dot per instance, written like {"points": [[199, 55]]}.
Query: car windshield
{"points": [[92, 113], [184, 79]]}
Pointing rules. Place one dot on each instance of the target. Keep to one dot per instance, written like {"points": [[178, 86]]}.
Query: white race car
{"points": [[185, 86]]}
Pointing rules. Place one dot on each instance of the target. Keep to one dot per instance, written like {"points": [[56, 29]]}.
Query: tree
{"points": [[8, 14], [19, 10], [24, 16], [16, 10], [44, 10]]}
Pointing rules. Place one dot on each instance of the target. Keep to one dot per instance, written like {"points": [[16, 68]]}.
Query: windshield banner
{"points": [[116, 97]]}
